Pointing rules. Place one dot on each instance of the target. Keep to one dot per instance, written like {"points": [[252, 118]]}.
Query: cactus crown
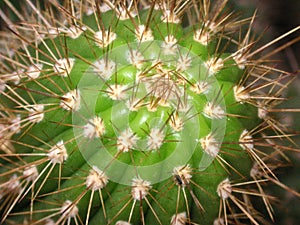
{"points": [[136, 112]]}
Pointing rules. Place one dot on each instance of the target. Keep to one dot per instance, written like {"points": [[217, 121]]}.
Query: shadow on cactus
{"points": [[137, 112]]}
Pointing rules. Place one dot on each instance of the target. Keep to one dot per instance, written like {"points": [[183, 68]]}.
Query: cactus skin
{"points": [[128, 79]]}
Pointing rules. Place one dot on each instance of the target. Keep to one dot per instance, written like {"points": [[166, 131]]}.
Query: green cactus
{"points": [[137, 112]]}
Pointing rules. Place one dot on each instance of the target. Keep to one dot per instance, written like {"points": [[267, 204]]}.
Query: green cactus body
{"points": [[120, 114]]}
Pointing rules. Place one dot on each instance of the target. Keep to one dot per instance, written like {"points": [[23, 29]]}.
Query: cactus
{"points": [[137, 112]]}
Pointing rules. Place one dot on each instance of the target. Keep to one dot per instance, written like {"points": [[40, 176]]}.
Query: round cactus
{"points": [[137, 112]]}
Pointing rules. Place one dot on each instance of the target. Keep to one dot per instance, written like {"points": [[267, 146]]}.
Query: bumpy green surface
{"points": [[152, 82]]}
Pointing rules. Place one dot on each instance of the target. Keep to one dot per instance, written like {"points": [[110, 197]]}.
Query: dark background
{"points": [[274, 18]]}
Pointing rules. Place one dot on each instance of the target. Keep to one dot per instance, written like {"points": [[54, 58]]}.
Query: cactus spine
{"points": [[136, 112]]}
